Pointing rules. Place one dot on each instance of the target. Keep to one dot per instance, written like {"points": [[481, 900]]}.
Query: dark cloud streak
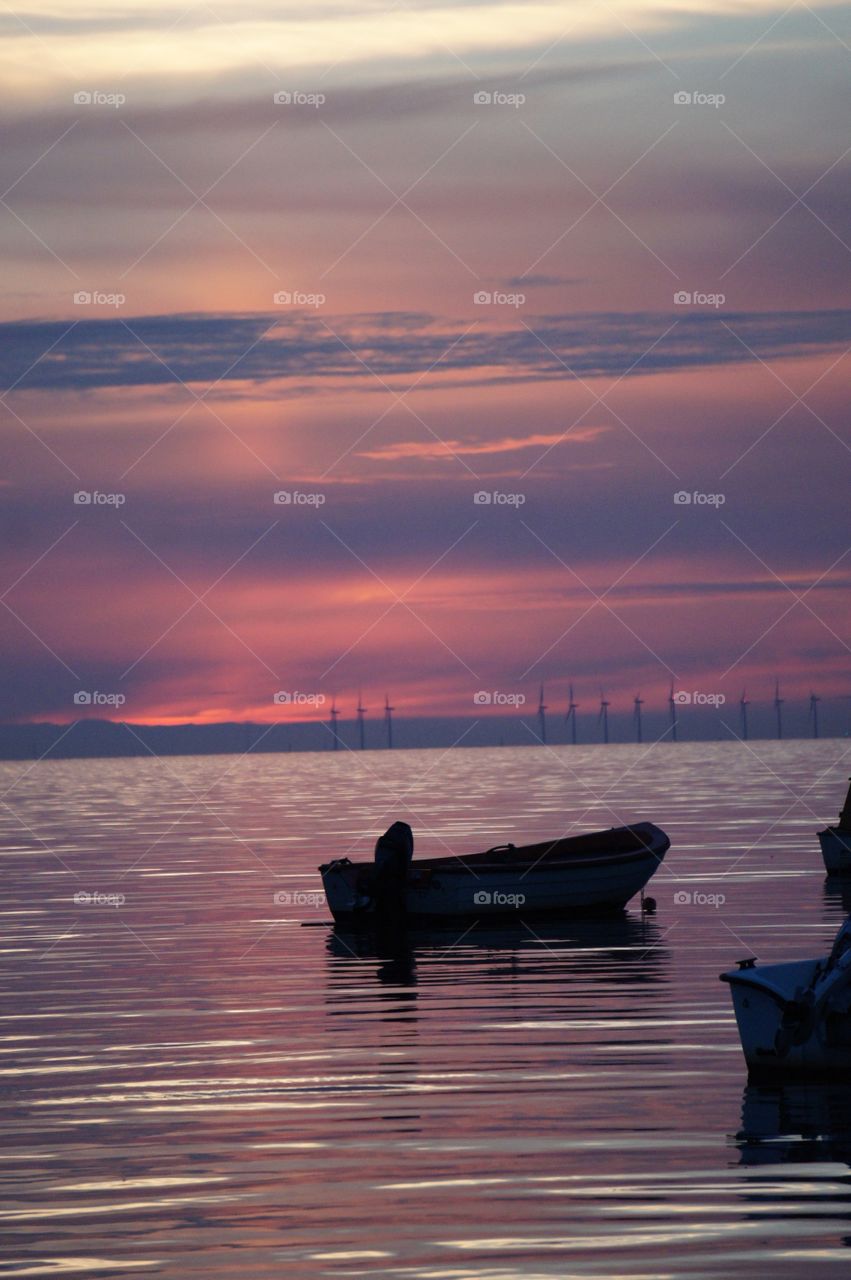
{"points": [[199, 349]]}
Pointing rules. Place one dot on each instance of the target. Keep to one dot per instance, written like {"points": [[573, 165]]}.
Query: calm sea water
{"points": [[202, 1078]]}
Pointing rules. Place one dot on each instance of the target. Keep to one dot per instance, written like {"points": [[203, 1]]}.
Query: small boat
{"points": [[836, 842], [796, 1017], [600, 871]]}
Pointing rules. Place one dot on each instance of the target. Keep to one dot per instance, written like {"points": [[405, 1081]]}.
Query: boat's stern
{"points": [[345, 888], [763, 1000]]}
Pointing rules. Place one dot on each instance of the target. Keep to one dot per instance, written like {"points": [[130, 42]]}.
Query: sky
{"points": [[425, 350]]}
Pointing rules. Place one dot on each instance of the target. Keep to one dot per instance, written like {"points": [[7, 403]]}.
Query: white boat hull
{"points": [[778, 1035], [455, 887]]}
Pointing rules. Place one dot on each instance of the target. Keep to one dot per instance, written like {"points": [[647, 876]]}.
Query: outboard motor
{"points": [[394, 852]]}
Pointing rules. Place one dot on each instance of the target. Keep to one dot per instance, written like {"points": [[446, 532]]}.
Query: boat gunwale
{"points": [[523, 859], [758, 980]]}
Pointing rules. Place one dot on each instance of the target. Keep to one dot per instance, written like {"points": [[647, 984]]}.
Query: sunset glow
{"points": [[382, 346]]}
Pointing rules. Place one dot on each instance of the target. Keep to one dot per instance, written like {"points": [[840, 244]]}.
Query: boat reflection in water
{"points": [[510, 1019], [591, 949], [795, 1123], [795, 1149], [837, 894]]}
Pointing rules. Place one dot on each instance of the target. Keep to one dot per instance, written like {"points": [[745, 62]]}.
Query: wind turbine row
{"points": [[360, 712], [744, 703], [674, 701]]}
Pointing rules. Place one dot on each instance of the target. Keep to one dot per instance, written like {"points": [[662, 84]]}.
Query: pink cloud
{"points": [[506, 444]]}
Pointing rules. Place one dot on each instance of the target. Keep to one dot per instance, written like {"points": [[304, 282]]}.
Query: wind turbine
{"points": [[814, 701], [672, 707], [604, 716], [334, 714], [570, 718], [361, 713], [744, 702], [542, 717], [638, 703], [778, 705], [388, 718]]}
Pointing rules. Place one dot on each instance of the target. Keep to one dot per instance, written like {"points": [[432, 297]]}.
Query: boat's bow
{"points": [[795, 1016]]}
